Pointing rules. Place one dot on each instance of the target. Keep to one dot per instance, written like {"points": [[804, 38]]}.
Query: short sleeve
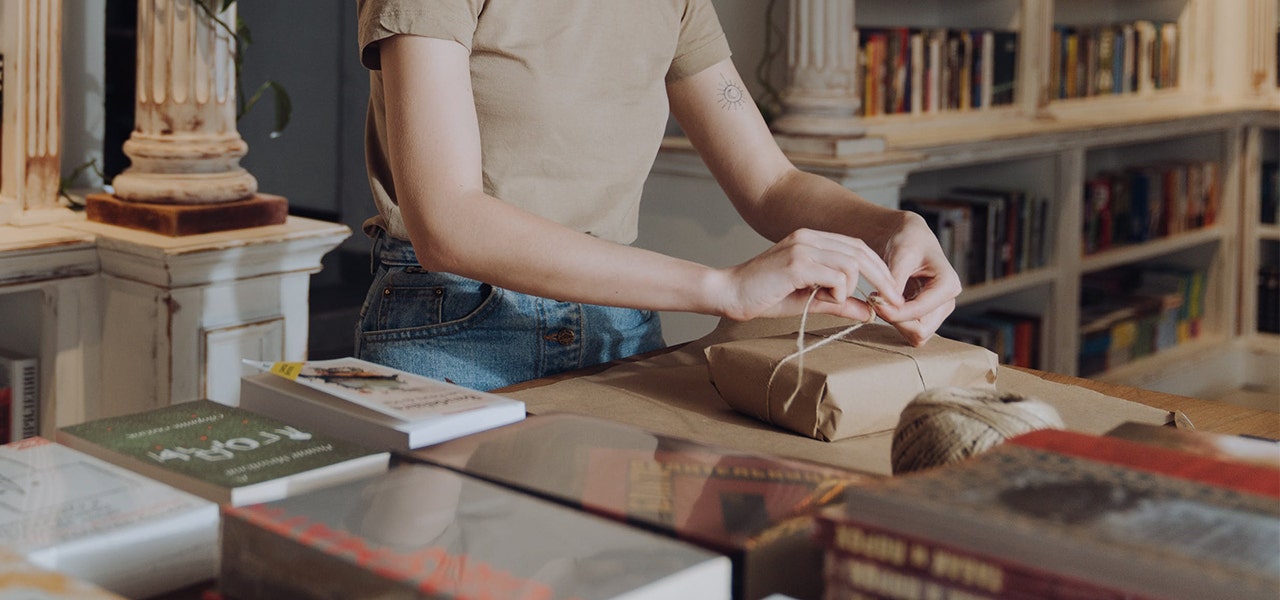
{"points": [[702, 42], [378, 20]]}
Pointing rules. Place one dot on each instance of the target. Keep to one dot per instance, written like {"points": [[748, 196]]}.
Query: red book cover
{"points": [[1235, 475], [6, 408]]}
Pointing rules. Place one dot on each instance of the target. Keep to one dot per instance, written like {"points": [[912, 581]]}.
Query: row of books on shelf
{"points": [[1133, 312], [987, 233], [1146, 202], [566, 506], [1013, 336], [1269, 298], [918, 71], [909, 70], [1117, 58]]}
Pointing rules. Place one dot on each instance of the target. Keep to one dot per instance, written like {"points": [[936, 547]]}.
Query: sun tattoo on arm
{"points": [[731, 94]]}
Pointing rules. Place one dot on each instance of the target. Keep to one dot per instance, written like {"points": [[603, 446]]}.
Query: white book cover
{"points": [[20, 579], [67, 511], [419, 409]]}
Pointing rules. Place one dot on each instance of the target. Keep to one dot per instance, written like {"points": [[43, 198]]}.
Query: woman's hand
{"points": [[779, 281], [921, 271]]}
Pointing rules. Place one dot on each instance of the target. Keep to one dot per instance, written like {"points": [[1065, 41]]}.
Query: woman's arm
{"points": [[434, 146], [776, 199]]}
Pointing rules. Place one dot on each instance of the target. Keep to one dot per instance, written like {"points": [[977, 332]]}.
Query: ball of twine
{"points": [[944, 425]]}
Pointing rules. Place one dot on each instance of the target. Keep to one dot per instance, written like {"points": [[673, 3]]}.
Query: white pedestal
{"points": [[178, 313], [49, 309]]}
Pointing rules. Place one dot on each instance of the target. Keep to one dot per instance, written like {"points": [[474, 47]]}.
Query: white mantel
{"points": [[130, 320]]}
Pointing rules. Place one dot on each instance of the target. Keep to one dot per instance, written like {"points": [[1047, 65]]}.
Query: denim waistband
{"points": [[391, 251]]}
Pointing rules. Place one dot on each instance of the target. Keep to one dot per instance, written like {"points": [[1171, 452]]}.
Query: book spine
{"points": [[23, 380], [6, 411], [860, 554]]}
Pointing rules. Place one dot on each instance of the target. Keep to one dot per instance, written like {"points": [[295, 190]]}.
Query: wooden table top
{"points": [[1205, 415]]}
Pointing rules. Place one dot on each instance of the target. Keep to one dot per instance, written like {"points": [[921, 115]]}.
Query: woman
{"points": [[507, 145]]}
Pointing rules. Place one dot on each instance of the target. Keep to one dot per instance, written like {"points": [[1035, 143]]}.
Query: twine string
{"points": [[873, 299]]}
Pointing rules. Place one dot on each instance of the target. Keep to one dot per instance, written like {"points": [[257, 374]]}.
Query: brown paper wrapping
{"points": [[856, 385]]}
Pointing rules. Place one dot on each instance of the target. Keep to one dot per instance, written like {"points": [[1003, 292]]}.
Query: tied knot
{"points": [[873, 300]]}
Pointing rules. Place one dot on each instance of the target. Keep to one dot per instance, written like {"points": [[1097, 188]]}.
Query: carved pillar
{"points": [[185, 148], [32, 116], [821, 97]]}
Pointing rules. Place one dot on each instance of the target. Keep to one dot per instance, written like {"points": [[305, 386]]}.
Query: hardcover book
{"points": [[67, 511], [1103, 524], [223, 453], [21, 375], [372, 404], [419, 531], [1165, 459], [22, 580], [756, 509]]}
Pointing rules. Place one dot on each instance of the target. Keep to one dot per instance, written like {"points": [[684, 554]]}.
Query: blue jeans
{"points": [[480, 336]]}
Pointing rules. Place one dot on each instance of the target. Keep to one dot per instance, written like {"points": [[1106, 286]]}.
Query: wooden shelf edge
{"points": [[1149, 367], [1124, 255], [1007, 285]]}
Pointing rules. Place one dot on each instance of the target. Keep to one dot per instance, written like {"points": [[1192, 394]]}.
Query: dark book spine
{"points": [[878, 560], [1269, 299]]}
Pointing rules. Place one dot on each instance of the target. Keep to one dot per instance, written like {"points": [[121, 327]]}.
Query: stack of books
{"points": [[1055, 514], [203, 495]]}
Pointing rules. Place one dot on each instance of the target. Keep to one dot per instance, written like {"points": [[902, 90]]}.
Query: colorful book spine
{"points": [[916, 71], [21, 375]]}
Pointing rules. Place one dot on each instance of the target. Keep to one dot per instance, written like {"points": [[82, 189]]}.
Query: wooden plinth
{"points": [[177, 220]]}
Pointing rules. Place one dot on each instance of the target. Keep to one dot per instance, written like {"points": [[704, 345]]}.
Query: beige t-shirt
{"points": [[570, 94]]}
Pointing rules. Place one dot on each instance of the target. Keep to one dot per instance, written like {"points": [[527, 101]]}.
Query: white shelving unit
{"points": [[1225, 108]]}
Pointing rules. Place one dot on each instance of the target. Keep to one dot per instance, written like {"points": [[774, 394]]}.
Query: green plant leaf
{"points": [[283, 106]]}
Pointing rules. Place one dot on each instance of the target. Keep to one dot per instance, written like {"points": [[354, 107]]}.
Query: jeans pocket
{"points": [[412, 302]]}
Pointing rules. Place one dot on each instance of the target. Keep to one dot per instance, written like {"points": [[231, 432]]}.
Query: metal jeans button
{"points": [[564, 337]]}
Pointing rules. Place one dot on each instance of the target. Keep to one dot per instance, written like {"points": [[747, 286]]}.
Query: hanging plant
{"points": [[242, 38]]}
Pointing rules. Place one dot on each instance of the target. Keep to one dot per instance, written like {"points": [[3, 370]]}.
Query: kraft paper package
{"points": [[856, 385]]}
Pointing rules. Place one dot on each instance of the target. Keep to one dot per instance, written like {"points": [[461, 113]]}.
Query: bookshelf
{"points": [[1224, 109]]}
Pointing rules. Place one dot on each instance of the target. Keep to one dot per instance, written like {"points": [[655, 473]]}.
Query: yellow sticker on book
{"points": [[288, 370]]}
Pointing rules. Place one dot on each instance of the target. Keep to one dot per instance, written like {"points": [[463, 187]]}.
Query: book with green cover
{"points": [[223, 453]]}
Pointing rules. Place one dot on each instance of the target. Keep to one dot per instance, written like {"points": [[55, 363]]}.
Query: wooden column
{"points": [[185, 151], [821, 101], [31, 41]]}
